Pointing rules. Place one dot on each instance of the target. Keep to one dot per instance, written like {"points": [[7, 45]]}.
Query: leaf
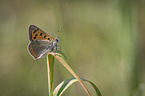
{"points": [[61, 88], [62, 58]]}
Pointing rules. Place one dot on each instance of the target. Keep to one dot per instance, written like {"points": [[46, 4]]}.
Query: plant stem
{"points": [[50, 70]]}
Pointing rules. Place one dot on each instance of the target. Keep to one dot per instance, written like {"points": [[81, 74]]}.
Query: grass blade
{"points": [[61, 88], [61, 57], [50, 69]]}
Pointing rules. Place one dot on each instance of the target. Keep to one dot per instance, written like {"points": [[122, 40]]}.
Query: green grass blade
{"points": [[61, 57], [94, 86], [50, 66], [61, 88]]}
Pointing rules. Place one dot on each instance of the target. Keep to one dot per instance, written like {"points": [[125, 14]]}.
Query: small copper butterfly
{"points": [[40, 42]]}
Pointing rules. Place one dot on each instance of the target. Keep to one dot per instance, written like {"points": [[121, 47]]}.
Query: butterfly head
{"points": [[56, 40], [55, 44]]}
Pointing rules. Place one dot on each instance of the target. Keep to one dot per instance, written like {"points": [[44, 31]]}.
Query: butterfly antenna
{"points": [[58, 31]]}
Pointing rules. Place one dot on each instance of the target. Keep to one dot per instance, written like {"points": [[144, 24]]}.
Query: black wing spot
{"points": [[45, 36], [34, 37], [41, 34], [48, 38], [34, 31]]}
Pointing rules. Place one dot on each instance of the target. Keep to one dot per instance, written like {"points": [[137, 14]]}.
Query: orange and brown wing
{"points": [[36, 33], [39, 48]]}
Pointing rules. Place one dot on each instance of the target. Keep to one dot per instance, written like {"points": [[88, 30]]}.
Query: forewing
{"points": [[36, 33], [38, 48]]}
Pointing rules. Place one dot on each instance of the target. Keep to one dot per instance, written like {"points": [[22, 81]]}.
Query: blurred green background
{"points": [[104, 41]]}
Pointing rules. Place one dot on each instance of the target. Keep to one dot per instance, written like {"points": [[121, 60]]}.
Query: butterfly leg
{"points": [[58, 47]]}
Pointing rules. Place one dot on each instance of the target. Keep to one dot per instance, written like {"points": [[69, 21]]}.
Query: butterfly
{"points": [[41, 43]]}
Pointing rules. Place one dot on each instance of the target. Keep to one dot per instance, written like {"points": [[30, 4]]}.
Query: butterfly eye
{"points": [[57, 40]]}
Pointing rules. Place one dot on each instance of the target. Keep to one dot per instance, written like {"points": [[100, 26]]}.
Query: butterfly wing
{"points": [[38, 48], [36, 33]]}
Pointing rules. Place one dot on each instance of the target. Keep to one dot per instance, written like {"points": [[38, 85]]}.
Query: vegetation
{"points": [[102, 39]]}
